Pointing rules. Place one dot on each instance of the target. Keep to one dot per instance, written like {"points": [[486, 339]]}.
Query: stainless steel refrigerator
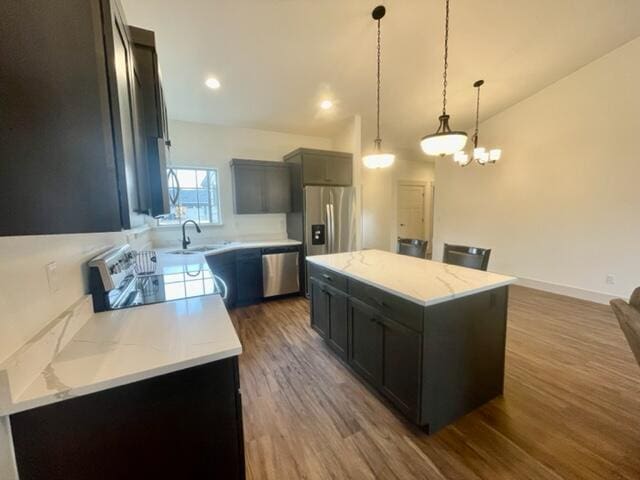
{"points": [[325, 221]]}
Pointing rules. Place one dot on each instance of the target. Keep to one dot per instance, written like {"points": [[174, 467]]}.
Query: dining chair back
{"points": [[470, 257], [412, 247]]}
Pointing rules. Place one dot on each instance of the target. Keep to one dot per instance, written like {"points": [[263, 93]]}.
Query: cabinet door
{"points": [[314, 169], [401, 365], [248, 189], [338, 321], [277, 189], [319, 308], [249, 277], [124, 116], [142, 166], [365, 352], [339, 171]]}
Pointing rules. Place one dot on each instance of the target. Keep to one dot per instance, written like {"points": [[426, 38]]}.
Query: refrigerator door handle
{"points": [[329, 229], [333, 229]]}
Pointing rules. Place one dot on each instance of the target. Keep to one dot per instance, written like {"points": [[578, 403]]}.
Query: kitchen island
{"points": [[428, 336]]}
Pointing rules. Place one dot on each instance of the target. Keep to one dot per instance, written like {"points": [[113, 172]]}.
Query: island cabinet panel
{"points": [[319, 308], [401, 376], [338, 321], [366, 343], [434, 363], [185, 424]]}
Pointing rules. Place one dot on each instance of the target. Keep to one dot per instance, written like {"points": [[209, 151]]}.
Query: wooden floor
{"points": [[571, 406]]}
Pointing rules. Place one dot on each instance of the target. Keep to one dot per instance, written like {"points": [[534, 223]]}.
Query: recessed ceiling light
{"points": [[212, 83], [326, 104]]}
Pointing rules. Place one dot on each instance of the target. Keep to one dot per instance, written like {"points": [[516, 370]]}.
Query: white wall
{"points": [[379, 209], [202, 145], [563, 205], [26, 302]]}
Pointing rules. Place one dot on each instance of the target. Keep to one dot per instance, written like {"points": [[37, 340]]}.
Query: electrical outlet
{"points": [[611, 279], [52, 277]]}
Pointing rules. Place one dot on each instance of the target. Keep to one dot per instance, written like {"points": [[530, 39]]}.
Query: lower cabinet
{"points": [[329, 315], [384, 352], [248, 277], [365, 354], [185, 424]]}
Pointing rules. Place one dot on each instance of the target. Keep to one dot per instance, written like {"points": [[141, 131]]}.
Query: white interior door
{"points": [[411, 199]]}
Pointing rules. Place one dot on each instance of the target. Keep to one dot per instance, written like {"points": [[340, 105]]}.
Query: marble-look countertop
{"points": [[421, 281], [124, 346]]}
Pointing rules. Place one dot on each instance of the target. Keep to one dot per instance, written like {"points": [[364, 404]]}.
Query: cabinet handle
{"points": [[327, 277], [382, 303]]}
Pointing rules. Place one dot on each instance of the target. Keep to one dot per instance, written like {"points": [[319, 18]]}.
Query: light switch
{"points": [[52, 277]]}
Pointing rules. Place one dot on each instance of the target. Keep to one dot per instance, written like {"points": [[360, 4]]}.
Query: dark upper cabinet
{"points": [[154, 129], [68, 118], [260, 187], [322, 167]]}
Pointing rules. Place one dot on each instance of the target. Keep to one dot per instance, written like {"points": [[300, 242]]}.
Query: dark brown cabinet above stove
{"points": [[72, 148]]}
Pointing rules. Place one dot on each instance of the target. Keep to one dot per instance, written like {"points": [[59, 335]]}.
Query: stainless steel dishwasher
{"points": [[280, 271]]}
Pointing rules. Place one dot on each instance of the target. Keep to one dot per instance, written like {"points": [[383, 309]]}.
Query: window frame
{"points": [[161, 221]]}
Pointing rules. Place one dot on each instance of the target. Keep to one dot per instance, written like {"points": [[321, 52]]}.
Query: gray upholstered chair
{"points": [[629, 318], [470, 257]]}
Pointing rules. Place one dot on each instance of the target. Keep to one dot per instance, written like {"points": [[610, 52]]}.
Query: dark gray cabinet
{"points": [[248, 276], [329, 315], [154, 130], [322, 167], [69, 118], [184, 424], [365, 354], [433, 363], [319, 308], [260, 187]]}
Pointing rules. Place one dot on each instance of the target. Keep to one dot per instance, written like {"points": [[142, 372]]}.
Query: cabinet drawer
{"points": [[402, 311], [327, 276]]}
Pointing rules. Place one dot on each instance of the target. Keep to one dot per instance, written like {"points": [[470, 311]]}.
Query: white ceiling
{"points": [[276, 59]]}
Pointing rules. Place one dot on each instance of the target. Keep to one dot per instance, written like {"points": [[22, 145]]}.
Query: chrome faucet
{"points": [[186, 241]]}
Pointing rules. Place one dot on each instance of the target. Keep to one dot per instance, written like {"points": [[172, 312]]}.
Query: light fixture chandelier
{"points": [[479, 154], [378, 159], [444, 141]]}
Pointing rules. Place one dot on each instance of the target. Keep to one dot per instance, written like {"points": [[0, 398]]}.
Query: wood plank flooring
{"points": [[571, 406]]}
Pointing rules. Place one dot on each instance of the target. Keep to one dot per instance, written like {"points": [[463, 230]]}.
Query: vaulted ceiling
{"points": [[276, 59]]}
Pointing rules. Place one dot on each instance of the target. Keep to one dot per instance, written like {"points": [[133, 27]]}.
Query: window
{"points": [[198, 196]]}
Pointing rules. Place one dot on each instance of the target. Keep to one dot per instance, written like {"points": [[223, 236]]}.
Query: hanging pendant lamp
{"points": [[378, 159], [479, 154], [444, 141]]}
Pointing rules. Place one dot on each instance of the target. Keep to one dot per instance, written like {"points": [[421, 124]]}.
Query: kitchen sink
{"points": [[183, 252]]}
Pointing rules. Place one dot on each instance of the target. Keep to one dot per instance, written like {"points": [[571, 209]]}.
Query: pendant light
{"points": [[378, 159], [479, 154], [444, 141]]}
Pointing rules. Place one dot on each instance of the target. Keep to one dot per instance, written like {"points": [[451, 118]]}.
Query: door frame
{"points": [[428, 211]]}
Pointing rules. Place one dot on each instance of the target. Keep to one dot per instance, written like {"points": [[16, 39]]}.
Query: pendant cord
{"points": [[475, 134], [378, 140], [446, 60]]}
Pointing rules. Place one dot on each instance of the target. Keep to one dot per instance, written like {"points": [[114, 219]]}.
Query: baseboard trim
{"points": [[589, 295]]}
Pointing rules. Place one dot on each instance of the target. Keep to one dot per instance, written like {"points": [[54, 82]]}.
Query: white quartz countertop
{"points": [[124, 346], [199, 248], [421, 281]]}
